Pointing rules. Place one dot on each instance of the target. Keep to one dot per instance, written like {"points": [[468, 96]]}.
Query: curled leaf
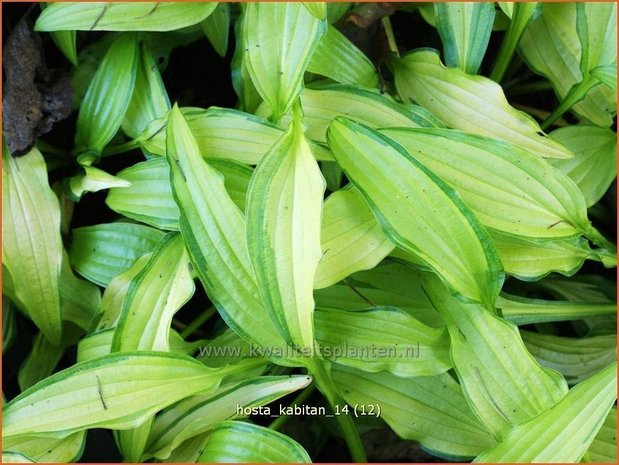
{"points": [[473, 104], [31, 243]]}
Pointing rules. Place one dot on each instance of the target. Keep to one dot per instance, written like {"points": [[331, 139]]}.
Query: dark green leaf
{"points": [[465, 31], [108, 95]]}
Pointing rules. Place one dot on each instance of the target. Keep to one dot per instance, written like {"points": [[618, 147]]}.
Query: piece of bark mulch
{"points": [[34, 97]]}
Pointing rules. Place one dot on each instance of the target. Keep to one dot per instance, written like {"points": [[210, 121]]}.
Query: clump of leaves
{"points": [[406, 204]]}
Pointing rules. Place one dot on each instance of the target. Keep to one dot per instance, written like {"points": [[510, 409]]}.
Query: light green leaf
{"points": [[99, 344], [101, 252], [521, 14], [465, 31], [444, 233], [430, 409], [179, 345], [530, 261], [575, 358], [132, 442], [65, 41], [15, 457], [427, 12], [349, 234], [149, 198], [90, 58], [351, 238], [338, 58], [284, 212], [154, 295], [249, 98], [524, 13], [522, 311], [43, 358], [225, 133], [596, 25], [122, 16], [390, 284], [594, 166], [317, 9], [95, 345], [109, 93], [551, 47], [501, 380], [236, 179], [607, 75], [235, 442], [501, 19], [92, 180], [216, 27], [321, 106], [473, 104], [526, 195], [31, 242], [503, 383], [114, 294], [279, 40], [564, 432], [106, 393], [214, 232], [336, 10], [198, 414], [150, 99], [507, 8], [406, 346], [396, 285], [190, 450], [604, 446], [47, 450], [226, 348], [80, 298]]}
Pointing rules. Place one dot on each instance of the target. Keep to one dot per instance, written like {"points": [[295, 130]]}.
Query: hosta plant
{"points": [[398, 228]]}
